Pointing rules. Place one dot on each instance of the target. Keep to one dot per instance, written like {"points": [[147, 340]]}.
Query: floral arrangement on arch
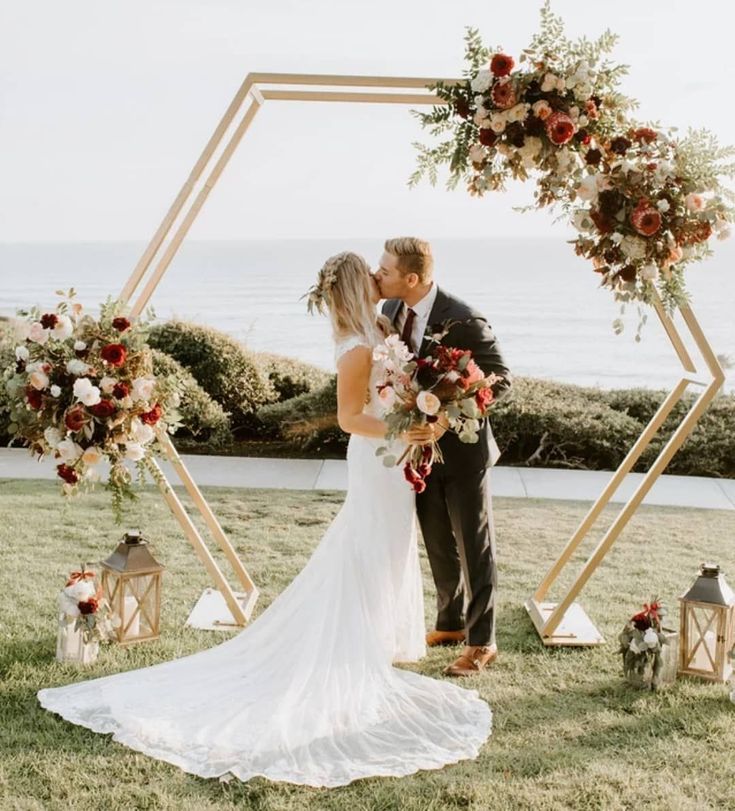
{"points": [[83, 389], [645, 203], [642, 640]]}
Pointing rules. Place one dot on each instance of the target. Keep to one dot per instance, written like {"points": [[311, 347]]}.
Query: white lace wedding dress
{"points": [[307, 693]]}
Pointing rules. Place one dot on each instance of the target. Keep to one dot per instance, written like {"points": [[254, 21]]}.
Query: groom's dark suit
{"points": [[454, 511]]}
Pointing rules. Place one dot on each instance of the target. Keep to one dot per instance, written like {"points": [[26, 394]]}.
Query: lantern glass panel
{"points": [[140, 610], [701, 633]]}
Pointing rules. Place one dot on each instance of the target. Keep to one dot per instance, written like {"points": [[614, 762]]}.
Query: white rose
{"points": [[650, 638], [86, 392], [480, 117], [143, 388], [549, 83], [582, 121], [63, 328], [55, 391], [663, 206], [134, 451], [141, 432], [482, 81], [77, 367], [69, 451], [387, 396], [107, 384], [633, 247], [80, 590], [477, 153], [52, 436], [518, 112], [428, 403], [21, 353], [636, 647], [617, 237], [92, 456], [649, 272], [67, 605], [588, 189], [723, 231], [37, 333], [80, 346], [497, 122], [38, 380]]}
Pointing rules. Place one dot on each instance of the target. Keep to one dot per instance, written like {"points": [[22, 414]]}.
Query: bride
{"points": [[307, 693]]}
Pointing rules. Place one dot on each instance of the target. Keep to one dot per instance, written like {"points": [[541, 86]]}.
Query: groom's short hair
{"points": [[414, 256]]}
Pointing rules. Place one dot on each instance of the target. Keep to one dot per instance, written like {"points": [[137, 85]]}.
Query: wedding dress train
{"points": [[307, 693]]}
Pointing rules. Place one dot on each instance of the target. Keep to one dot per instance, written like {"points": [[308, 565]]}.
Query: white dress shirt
{"points": [[422, 309]]}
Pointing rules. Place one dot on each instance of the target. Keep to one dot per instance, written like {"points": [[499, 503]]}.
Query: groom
{"points": [[455, 511]]}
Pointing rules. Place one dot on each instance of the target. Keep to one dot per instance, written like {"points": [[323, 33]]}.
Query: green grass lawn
{"points": [[568, 732]]}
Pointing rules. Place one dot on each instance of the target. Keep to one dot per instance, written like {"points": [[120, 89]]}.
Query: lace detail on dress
{"points": [[346, 344]]}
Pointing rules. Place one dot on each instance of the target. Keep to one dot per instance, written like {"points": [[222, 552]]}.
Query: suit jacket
{"points": [[473, 333]]}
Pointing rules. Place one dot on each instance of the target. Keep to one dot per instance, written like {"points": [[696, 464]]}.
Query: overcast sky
{"points": [[105, 106]]}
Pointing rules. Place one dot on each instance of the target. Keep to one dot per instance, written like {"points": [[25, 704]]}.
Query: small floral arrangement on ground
{"points": [[446, 384], [644, 202], [642, 640], [82, 601], [83, 390]]}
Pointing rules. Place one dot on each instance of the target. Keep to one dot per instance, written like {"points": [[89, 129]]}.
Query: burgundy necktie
{"points": [[408, 328]]}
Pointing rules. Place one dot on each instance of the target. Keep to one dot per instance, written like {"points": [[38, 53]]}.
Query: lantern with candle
{"points": [[707, 623], [131, 580]]}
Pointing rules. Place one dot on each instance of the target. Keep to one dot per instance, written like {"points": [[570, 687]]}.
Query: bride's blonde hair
{"points": [[344, 287]]}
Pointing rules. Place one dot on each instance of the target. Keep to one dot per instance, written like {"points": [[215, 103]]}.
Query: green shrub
{"points": [[289, 377], [8, 341], [202, 418], [309, 420], [228, 372], [561, 425]]}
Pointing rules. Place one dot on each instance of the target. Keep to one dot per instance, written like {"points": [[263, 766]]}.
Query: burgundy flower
{"points": [[68, 474], [645, 134], [121, 324], [534, 126], [105, 408], [593, 157], [49, 320], [628, 273], [88, 606], [114, 354], [645, 219], [503, 94], [120, 390], [75, 418], [34, 397], [604, 225], [620, 145], [515, 133], [487, 137], [559, 128], [501, 64], [151, 417], [462, 107], [583, 137]]}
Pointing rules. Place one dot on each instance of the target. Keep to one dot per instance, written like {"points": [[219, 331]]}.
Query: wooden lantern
{"points": [[131, 580], [707, 622]]}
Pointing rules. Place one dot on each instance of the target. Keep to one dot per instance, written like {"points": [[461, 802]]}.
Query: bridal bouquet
{"points": [[83, 389], [446, 384], [642, 640], [81, 601]]}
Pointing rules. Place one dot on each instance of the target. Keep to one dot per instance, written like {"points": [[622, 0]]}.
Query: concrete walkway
{"points": [[331, 474]]}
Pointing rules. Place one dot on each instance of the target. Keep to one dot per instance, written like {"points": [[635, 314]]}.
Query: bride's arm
{"points": [[353, 379]]}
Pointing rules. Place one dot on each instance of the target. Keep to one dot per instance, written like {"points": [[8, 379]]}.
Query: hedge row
{"points": [[550, 424]]}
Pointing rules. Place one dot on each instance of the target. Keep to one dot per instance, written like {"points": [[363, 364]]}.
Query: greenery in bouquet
{"points": [[642, 640], [644, 202], [83, 389], [446, 385], [82, 601]]}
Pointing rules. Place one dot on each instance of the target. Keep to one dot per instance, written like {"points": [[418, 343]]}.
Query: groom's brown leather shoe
{"points": [[436, 638], [473, 660]]}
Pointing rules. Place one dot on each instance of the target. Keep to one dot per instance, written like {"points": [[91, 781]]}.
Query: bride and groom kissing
{"points": [[308, 693]]}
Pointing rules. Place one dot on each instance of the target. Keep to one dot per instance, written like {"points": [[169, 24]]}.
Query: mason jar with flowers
{"points": [[83, 390]]}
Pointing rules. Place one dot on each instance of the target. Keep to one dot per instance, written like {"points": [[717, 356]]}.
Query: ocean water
{"points": [[544, 303]]}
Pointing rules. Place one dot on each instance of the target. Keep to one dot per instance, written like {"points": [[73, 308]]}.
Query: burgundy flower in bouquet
{"points": [[114, 354], [447, 386]]}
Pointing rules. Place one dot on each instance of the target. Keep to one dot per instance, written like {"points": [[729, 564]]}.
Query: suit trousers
{"points": [[455, 515]]}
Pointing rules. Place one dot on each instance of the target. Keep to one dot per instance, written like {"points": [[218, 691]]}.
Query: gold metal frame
{"points": [[563, 623]]}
